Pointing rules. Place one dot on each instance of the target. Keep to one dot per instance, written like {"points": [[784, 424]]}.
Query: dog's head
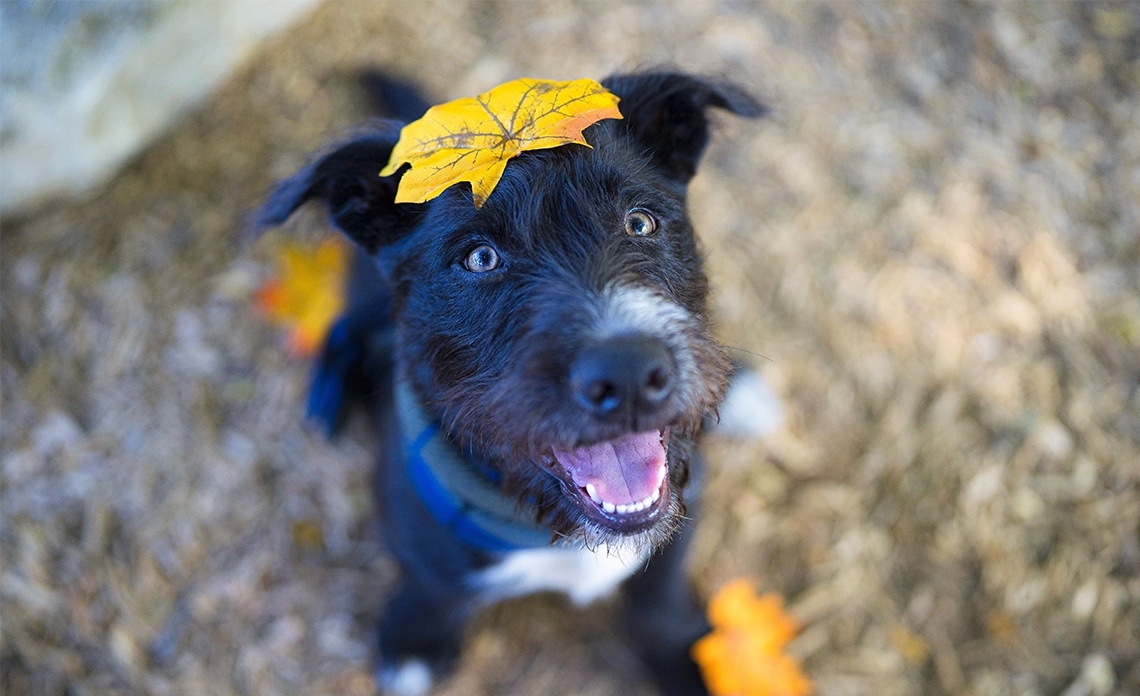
{"points": [[561, 330]]}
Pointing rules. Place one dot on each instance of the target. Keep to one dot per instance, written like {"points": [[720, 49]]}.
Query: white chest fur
{"points": [[584, 575]]}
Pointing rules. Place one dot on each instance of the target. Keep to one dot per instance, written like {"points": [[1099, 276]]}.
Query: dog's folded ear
{"points": [[360, 202], [665, 112]]}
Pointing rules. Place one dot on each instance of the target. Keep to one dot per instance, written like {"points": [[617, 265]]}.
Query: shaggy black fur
{"points": [[490, 353]]}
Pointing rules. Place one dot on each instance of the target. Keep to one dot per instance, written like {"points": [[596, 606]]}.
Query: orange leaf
{"points": [[472, 139], [307, 294], [744, 653]]}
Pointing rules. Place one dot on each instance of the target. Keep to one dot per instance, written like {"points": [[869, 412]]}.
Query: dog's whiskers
{"points": [[744, 350]]}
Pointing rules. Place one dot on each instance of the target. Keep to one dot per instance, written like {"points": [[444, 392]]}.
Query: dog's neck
{"points": [[461, 493]]}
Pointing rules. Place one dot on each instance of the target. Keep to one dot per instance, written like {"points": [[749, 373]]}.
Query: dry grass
{"points": [[934, 241]]}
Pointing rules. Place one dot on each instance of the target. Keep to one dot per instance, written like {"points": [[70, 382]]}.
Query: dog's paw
{"points": [[411, 677], [750, 410]]}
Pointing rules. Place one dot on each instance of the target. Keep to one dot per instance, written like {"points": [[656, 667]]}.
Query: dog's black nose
{"points": [[623, 377]]}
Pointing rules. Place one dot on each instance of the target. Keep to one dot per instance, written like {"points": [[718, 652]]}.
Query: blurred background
{"points": [[934, 242]]}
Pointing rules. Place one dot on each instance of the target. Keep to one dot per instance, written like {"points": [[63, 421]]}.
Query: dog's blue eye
{"points": [[481, 259], [639, 223]]}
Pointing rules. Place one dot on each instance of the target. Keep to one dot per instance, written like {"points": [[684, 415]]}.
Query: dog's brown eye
{"points": [[481, 259], [639, 223]]}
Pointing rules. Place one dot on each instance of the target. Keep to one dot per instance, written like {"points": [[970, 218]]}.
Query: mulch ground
{"points": [[934, 241]]}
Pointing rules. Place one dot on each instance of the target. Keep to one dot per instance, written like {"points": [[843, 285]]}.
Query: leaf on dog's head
{"points": [[472, 139]]}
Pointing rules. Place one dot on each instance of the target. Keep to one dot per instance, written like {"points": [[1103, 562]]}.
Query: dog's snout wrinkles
{"points": [[623, 377]]}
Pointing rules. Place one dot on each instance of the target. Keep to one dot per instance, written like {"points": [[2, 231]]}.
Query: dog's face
{"points": [[561, 330]]}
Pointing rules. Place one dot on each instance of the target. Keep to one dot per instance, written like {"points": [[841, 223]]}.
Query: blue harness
{"points": [[461, 493]]}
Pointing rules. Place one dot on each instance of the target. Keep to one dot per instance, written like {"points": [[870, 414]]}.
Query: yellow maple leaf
{"points": [[472, 139], [744, 653], [308, 292]]}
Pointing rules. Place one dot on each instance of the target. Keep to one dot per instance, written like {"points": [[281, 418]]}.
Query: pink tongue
{"points": [[623, 471]]}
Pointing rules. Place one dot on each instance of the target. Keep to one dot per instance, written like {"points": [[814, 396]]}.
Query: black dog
{"points": [[546, 363]]}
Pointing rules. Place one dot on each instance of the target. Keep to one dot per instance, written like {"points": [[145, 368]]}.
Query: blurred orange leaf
{"points": [[472, 139], [307, 293], [744, 653]]}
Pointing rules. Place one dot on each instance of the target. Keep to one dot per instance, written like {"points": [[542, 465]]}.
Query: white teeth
{"points": [[627, 508]]}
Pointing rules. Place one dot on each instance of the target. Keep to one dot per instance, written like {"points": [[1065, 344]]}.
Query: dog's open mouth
{"points": [[623, 483]]}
